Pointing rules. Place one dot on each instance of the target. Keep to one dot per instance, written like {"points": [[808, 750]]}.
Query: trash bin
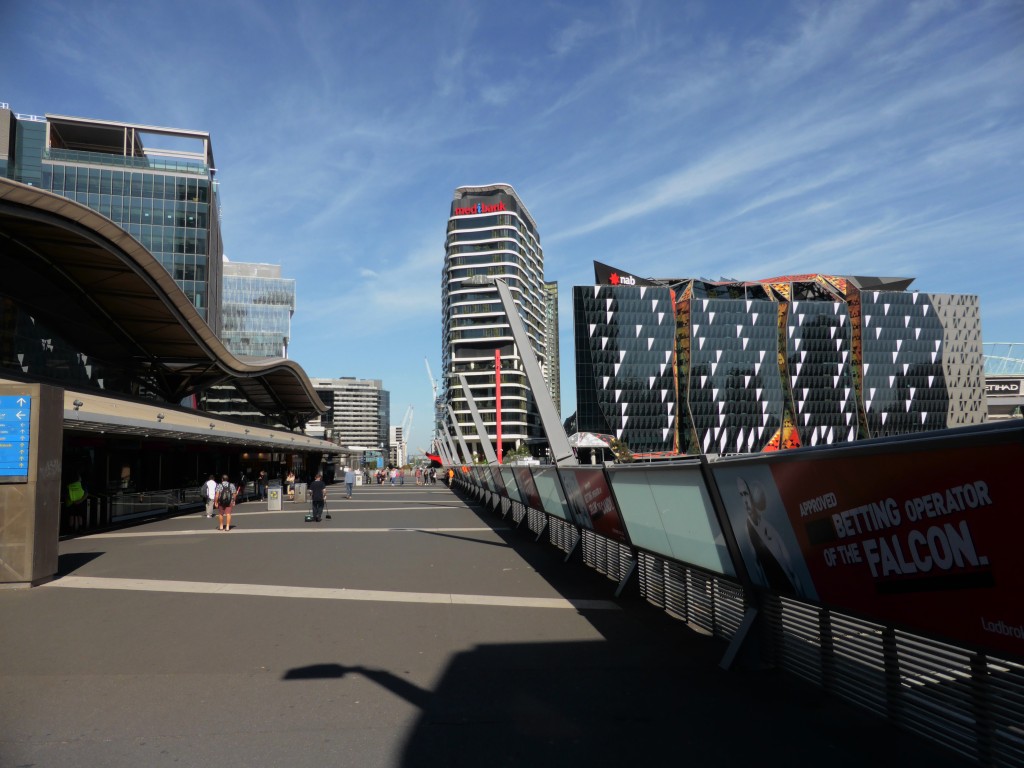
{"points": [[274, 498], [300, 492]]}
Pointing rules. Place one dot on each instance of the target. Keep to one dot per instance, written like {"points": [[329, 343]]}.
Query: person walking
{"points": [[350, 480], [210, 495], [226, 493], [318, 496]]}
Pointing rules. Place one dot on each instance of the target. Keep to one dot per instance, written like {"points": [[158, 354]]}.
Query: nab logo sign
{"points": [[617, 279]]}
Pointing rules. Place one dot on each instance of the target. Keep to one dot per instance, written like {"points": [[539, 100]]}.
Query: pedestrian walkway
{"points": [[411, 629]]}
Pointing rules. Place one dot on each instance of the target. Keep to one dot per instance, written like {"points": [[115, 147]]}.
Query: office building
{"points": [[257, 310], [491, 234], [256, 314], [397, 446], [785, 362], [158, 184], [358, 415]]}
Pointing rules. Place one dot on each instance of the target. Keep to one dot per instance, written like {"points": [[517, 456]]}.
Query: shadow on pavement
{"points": [[649, 702], [72, 561]]}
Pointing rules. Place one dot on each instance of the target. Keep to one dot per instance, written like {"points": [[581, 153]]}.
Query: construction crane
{"points": [[437, 405], [407, 424], [433, 381]]}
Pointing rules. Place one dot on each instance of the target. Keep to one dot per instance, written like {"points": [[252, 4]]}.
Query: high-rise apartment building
{"points": [[158, 184], [257, 309], [552, 366], [359, 415], [491, 234]]}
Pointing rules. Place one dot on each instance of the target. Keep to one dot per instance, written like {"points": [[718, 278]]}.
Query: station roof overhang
{"points": [[91, 412], [83, 275]]}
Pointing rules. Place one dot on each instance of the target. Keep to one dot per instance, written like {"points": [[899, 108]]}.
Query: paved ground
{"points": [[409, 630]]}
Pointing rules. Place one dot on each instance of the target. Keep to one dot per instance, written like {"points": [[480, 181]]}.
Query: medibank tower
{"points": [[491, 234]]}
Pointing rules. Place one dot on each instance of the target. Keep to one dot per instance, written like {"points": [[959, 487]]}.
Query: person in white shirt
{"points": [[209, 491]]}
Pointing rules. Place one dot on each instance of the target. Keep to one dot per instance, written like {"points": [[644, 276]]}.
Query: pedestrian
{"points": [[289, 485], [350, 479], [226, 493], [318, 495], [451, 476], [210, 495]]}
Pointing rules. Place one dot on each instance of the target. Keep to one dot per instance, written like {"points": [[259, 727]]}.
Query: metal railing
{"points": [[963, 699]]}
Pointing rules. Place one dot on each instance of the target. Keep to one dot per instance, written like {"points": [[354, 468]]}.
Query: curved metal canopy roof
{"points": [[81, 274]]}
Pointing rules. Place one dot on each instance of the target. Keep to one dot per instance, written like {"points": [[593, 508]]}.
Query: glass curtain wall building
{"points": [[158, 184], [492, 234], [257, 310], [256, 317]]}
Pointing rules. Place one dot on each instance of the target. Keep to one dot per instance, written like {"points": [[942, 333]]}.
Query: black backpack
{"points": [[224, 495]]}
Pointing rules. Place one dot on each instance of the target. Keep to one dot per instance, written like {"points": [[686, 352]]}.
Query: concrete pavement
{"points": [[410, 630]]}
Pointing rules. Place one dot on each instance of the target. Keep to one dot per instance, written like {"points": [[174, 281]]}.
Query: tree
{"points": [[620, 451]]}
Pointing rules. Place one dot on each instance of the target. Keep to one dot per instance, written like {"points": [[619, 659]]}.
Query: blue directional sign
{"points": [[15, 437]]}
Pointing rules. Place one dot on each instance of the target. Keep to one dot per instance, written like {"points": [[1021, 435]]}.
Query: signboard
{"points": [[605, 275], [15, 437], [668, 511], [550, 491], [592, 503], [527, 488], [927, 538], [1002, 387]]}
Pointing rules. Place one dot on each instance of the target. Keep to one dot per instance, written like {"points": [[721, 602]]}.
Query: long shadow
{"points": [[653, 699], [72, 561], [462, 538]]}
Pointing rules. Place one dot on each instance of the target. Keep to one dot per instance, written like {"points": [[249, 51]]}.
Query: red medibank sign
{"points": [[481, 208]]}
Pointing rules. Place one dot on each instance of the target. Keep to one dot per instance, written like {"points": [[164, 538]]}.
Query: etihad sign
{"points": [[480, 208]]}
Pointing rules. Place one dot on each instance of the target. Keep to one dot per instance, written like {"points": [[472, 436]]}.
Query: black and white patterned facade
{"points": [[625, 364], [819, 361], [734, 390], [904, 380]]}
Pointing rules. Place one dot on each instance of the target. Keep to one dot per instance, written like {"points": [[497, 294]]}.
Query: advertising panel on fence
{"points": [[591, 501], [667, 511], [926, 537], [510, 484], [527, 488], [497, 481], [550, 491]]}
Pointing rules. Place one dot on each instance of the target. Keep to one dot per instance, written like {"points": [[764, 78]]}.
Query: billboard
{"points": [[668, 511], [921, 534], [527, 488], [549, 489], [591, 502]]}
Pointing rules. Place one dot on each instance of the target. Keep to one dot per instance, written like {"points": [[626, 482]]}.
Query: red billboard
{"points": [[926, 537], [591, 502]]}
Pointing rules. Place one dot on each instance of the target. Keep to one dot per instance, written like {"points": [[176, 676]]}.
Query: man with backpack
{"points": [[225, 500]]}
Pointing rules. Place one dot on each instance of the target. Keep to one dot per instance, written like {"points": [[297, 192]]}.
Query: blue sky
{"points": [[746, 139]]}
